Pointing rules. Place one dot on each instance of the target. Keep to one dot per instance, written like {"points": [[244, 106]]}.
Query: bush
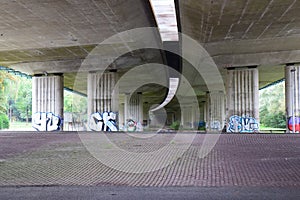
{"points": [[273, 120], [4, 121], [175, 125], [202, 126]]}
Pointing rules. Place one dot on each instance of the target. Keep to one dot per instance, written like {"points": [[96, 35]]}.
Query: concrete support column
{"points": [[134, 111], [292, 98], [146, 115], [126, 109], [47, 102], [215, 111], [121, 116], [242, 100], [202, 110], [102, 94], [103, 101], [189, 115], [184, 117], [205, 112]]}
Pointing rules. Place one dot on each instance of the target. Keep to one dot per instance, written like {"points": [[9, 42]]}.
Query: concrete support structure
{"points": [[189, 116], [146, 109], [103, 101], [215, 111], [102, 94], [242, 110], [133, 110], [47, 102], [186, 117], [121, 117], [202, 110], [292, 97]]}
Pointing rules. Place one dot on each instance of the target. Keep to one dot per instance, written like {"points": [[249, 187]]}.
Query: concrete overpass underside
{"points": [[54, 37]]}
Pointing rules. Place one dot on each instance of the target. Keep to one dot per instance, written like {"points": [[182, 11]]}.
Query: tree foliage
{"points": [[272, 106], [4, 121], [23, 100], [16, 100], [3, 98], [5, 79], [74, 103]]}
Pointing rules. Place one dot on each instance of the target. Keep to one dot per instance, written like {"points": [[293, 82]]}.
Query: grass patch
{"points": [[272, 130], [20, 125]]}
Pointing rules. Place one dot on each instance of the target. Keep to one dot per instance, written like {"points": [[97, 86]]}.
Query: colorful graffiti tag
{"points": [[131, 125], [242, 124], [296, 121], [46, 121], [103, 121]]}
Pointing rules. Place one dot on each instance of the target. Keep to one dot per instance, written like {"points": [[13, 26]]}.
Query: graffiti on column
{"points": [[296, 121], [103, 121], [46, 121], [215, 125], [131, 125], [244, 124]]}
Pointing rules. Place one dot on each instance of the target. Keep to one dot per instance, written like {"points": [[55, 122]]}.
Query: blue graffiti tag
{"points": [[103, 121], [46, 121], [243, 124], [215, 125]]}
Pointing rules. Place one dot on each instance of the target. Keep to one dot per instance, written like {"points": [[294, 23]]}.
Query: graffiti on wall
{"points": [[215, 125], [46, 121], [133, 126], [244, 124], [296, 121], [103, 121]]}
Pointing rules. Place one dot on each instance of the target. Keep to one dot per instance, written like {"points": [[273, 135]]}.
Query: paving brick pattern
{"points": [[236, 160]]}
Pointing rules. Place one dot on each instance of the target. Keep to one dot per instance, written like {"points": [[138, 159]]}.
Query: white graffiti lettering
{"points": [[103, 122], [215, 125], [244, 124], [46, 121]]}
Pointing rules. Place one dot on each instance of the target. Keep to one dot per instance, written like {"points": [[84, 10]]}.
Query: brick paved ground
{"points": [[236, 160]]}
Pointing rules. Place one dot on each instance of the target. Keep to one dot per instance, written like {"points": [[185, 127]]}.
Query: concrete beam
{"points": [[251, 59]]}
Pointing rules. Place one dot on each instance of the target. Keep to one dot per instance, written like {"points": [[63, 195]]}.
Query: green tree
{"points": [[272, 106], [5, 78], [74, 103], [23, 101]]}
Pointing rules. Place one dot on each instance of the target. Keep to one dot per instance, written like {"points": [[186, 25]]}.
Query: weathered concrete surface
{"points": [[55, 36], [246, 32]]}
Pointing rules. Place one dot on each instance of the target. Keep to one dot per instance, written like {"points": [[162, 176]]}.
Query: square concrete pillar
{"points": [[292, 98], [47, 102], [215, 111], [133, 112], [103, 101], [242, 109]]}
